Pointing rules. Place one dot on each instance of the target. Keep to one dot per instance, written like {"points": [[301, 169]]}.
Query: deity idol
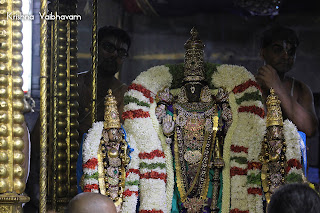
{"points": [[196, 132], [105, 155]]}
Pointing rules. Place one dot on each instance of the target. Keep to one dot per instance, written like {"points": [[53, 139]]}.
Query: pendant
{"points": [[192, 157], [194, 205]]}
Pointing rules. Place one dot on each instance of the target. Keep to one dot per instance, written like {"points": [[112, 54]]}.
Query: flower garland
{"points": [[139, 123], [243, 140], [90, 161], [293, 153], [153, 183]]}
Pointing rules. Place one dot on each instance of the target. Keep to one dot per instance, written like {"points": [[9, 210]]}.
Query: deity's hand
{"points": [[167, 125], [268, 77], [161, 112]]}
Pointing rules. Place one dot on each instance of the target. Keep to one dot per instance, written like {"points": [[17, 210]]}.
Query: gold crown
{"points": [[111, 114], [193, 59], [274, 113]]}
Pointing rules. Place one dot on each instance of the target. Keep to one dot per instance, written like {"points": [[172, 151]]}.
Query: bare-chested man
{"points": [[278, 50]]}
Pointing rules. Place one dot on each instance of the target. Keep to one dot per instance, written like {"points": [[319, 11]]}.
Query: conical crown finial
{"points": [[193, 60], [111, 114], [274, 113]]}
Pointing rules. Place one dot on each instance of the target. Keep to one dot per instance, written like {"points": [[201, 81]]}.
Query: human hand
{"points": [[167, 125], [268, 77]]}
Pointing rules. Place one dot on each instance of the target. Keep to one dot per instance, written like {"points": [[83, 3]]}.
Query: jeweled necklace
{"points": [[184, 154]]}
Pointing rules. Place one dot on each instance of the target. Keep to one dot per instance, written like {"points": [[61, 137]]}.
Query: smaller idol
{"points": [[105, 155]]}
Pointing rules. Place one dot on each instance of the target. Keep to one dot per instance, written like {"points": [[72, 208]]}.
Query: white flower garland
{"points": [[144, 135], [90, 149]]}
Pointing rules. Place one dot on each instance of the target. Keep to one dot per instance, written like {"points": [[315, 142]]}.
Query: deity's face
{"points": [[111, 54], [280, 55], [193, 90]]}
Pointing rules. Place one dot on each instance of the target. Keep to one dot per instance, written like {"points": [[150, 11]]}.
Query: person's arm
{"points": [[301, 111]]}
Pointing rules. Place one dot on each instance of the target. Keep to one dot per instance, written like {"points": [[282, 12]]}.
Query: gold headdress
{"points": [[274, 113], [111, 114], [193, 59]]}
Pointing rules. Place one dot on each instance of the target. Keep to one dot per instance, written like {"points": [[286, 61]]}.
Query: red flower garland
{"points": [[91, 163], [254, 165], [238, 149], [293, 163], [143, 90], [245, 85], [135, 171], [131, 114], [151, 155], [151, 211], [237, 171], [154, 175], [87, 188], [253, 109], [129, 193], [255, 191], [238, 211]]}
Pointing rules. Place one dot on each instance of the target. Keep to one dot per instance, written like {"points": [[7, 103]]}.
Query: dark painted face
{"points": [[112, 53], [280, 55], [193, 90]]}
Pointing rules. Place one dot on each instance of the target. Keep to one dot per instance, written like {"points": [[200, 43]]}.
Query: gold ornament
{"points": [[111, 114], [193, 59], [274, 113], [205, 95], [273, 148]]}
